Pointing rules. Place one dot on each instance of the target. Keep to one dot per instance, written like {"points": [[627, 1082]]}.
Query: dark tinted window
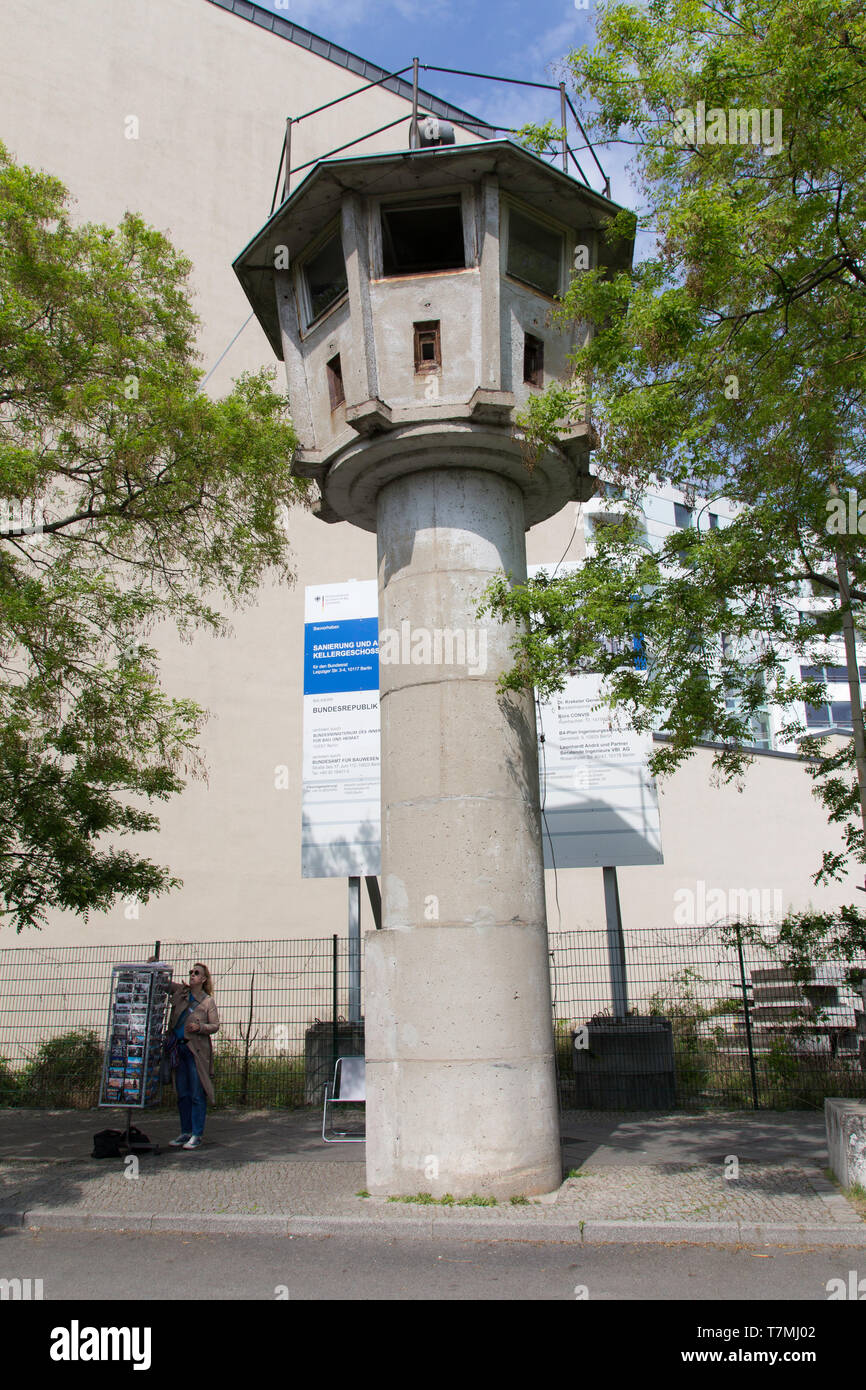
{"points": [[534, 253], [422, 237], [817, 716], [326, 276]]}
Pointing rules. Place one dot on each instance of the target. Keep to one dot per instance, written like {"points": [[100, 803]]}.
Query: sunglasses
{"points": [[195, 972]]}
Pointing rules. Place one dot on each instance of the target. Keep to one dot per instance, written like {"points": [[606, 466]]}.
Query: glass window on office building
{"points": [[835, 710]]}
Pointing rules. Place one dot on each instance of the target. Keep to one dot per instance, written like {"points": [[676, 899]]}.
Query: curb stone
{"points": [[433, 1226]]}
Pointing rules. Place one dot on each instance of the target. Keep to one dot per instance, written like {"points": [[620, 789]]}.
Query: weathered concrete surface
{"points": [[460, 1075], [846, 1140]]}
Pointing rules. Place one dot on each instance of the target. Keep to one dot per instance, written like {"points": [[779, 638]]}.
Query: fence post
{"points": [[414, 140], [615, 944], [748, 1020], [354, 949], [334, 1045], [156, 950], [288, 151]]}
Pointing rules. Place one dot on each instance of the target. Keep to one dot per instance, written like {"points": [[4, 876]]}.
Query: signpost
{"points": [[341, 811]]}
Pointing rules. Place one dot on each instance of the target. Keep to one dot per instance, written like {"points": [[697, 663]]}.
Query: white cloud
{"points": [[546, 54]]}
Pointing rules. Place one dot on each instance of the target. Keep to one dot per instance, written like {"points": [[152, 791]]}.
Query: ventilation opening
{"points": [[533, 360], [335, 381], [428, 346], [421, 238]]}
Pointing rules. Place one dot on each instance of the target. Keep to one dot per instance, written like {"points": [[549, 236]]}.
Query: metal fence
{"points": [[711, 1024], [284, 1009], [747, 1028]]}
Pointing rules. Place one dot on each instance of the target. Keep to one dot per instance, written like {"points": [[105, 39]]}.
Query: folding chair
{"points": [[349, 1087]]}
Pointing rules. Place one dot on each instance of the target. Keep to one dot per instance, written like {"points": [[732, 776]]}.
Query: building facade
{"points": [[177, 109]]}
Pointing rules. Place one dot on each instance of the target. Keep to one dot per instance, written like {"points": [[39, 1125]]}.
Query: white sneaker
{"points": [[179, 1142], [194, 1142]]}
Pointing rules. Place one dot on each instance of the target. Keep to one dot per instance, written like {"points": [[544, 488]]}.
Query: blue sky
{"points": [[526, 39]]}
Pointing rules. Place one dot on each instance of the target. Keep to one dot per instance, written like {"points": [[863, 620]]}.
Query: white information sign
{"points": [[341, 809], [600, 803]]}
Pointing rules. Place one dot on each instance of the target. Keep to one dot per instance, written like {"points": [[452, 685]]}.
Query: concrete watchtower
{"points": [[409, 295]]}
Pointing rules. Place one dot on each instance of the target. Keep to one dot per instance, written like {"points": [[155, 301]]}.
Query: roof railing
{"points": [[421, 101]]}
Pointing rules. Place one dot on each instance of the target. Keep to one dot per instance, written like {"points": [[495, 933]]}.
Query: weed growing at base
{"points": [[425, 1199]]}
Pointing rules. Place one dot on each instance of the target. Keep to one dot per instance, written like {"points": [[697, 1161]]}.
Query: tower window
{"points": [[335, 381], [533, 360], [422, 237], [534, 253], [325, 274], [428, 346]]}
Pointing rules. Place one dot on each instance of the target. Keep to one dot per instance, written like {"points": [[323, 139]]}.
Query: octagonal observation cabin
{"points": [[410, 296]]}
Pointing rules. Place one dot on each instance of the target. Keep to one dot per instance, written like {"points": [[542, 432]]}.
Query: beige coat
{"points": [[200, 1045]]}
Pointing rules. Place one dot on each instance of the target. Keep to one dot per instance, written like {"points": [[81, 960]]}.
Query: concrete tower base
{"points": [[460, 1082], [461, 1093]]}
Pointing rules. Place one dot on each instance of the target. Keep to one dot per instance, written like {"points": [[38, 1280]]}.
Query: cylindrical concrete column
{"points": [[461, 1093]]}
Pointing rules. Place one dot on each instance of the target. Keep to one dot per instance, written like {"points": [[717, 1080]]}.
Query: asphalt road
{"points": [[82, 1266]]}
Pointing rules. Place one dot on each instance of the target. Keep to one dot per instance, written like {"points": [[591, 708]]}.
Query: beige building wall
{"points": [[210, 94]]}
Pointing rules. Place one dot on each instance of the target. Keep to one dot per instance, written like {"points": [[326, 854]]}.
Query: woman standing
{"points": [[193, 1019]]}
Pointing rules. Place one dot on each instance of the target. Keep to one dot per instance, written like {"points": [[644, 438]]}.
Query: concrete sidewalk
{"points": [[639, 1177]]}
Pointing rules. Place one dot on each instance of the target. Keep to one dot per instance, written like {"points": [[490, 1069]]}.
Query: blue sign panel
{"points": [[341, 656]]}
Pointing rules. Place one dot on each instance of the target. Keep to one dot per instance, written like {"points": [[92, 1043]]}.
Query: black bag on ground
{"points": [[106, 1144], [111, 1143]]}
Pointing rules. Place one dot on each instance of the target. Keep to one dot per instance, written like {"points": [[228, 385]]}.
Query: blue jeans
{"points": [[191, 1099]]}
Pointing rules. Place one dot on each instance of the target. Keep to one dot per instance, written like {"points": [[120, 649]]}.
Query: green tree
{"points": [[127, 498], [730, 362]]}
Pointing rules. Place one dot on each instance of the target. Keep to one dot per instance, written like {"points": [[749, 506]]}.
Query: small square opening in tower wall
{"points": [[428, 346]]}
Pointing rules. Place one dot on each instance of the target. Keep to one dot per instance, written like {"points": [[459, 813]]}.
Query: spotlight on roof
{"points": [[432, 131]]}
